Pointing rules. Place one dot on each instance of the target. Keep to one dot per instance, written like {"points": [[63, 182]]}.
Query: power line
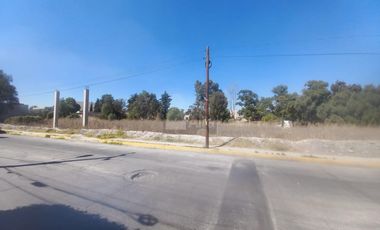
{"points": [[302, 55], [95, 83], [297, 41]]}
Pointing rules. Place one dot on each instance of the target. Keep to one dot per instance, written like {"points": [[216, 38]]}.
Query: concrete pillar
{"points": [[56, 109], [85, 108]]}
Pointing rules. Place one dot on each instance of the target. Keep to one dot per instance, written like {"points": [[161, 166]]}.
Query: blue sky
{"points": [[47, 45]]}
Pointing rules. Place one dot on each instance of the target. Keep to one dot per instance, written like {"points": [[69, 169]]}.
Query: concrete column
{"points": [[56, 109], [85, 108]]}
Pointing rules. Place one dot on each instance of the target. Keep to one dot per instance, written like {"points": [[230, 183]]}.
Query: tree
{"points": [[109, 108], [219, 107], [143, 106], [314, 95], [106, 107], [284, 103], [265, 108], [248, 100], [8, 93], [68, 106], [164, 105], [352, 104], [175, 114], [197, 110], [97, 106], [118, 109]]}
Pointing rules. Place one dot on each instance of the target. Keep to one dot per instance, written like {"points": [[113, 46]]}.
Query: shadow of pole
{"points": [[61, 161]]}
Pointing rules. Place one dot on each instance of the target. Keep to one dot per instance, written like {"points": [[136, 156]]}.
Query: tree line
{"points": [[317, 103]]}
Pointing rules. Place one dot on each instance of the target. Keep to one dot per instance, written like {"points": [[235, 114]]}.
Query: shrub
{"points": [[269, 117], [25, 120], [73, 116], [111, 116]]}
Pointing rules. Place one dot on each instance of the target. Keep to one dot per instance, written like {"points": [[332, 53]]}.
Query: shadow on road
{"points": [[62, 161], [44, 217]]}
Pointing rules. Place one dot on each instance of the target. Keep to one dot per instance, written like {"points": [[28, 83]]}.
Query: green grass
{"points": [[118, 134]]}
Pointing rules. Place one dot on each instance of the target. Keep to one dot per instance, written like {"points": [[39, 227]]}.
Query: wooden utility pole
{"points": [[207, 135]]}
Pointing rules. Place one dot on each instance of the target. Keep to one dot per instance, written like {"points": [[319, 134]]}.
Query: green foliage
{"points": [[143, 106], [269, 117], [175, 114], [8, 93], [265, 107], [248, 101], [164, 105], [68, 106], [46, 112], [343, 103], [118, 134], [218, 107], [218, 103], [73, 116], [109, 108], [314, 95], [23, 120], [352, 104]]}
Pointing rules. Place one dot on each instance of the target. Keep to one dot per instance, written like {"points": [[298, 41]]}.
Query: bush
{"points": [[111, 116], [269, 117], [50, 115], [335, 119], [23, 120], [73, 116]]}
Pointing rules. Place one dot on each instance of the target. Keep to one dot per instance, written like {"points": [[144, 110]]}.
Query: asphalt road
{"points": [[46, 184]]}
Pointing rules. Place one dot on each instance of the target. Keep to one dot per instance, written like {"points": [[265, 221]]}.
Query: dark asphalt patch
{"points": [[244, 204], [60, 161], [142, 175], [38, 184], [46, 217], [86, 155]]}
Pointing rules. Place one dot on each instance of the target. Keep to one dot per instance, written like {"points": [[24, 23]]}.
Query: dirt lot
{"points": [[365, 145]]}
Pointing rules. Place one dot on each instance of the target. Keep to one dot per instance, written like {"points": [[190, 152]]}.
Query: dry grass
{"points": [[328, 132], [231, 129]]}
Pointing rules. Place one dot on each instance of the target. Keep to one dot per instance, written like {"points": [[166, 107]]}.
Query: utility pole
{"points": [[56, 110], [207, 97], [85, 108]]}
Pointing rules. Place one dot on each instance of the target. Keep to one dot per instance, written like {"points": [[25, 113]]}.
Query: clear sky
{"points": [[47, 45]]}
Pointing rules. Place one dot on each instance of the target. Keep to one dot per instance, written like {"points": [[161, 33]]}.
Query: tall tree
{"points": [[265, 107], [68, 106], [164, 105], [109, 108], [8, 93], [284, 103], [219, 107], [175, 114], [97, 106], [197, 109], [248, 100], [314, 95], [143, 106]]}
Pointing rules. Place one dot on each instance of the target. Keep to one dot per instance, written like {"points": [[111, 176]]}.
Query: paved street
{"points": [[121, 187]]}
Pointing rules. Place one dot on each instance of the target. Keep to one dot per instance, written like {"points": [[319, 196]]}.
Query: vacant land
{"points": [[230, 129], [308, 140]]}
